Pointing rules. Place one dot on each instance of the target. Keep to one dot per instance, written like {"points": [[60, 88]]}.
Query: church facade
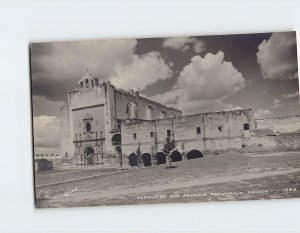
{"points": [[91, 120], [102, 124]]}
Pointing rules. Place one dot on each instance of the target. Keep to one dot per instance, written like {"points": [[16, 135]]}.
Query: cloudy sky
{"points": [[195, 74]]}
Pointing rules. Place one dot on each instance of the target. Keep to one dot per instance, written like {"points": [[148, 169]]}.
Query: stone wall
{"points": [[288, 141], [122, 98], [268, 142], [102, 106], [280, 124], [208, 132]]}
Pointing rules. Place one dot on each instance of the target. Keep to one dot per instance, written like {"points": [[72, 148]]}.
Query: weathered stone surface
{"points": [[102, 124]]}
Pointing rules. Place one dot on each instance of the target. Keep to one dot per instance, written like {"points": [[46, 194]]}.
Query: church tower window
{"points": [[88, 127]]}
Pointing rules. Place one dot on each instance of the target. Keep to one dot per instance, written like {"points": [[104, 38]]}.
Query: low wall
{"points": [[287, 142], [43, 165], [281, 142]]}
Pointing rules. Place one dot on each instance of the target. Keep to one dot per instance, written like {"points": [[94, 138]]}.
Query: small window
{"points": [[169, 133], [92, 82], [198, 129], [151, 134], [246, 126], [220, 128], [81, 85], [88, 127], [134, 135]]}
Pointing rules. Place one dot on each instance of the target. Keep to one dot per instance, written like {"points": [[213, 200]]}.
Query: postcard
{"points": [[165, 120]]}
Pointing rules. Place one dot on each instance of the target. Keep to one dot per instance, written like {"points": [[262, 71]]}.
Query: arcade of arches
{"points": [[161, 157], [146, 157], [133, 159], [176, 156], [194, 154]]}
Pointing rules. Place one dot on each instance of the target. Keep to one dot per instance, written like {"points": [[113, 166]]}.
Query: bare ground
{"points": [[216, 178]]}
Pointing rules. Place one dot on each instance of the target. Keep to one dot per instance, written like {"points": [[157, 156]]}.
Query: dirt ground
{"points": [[214, 178]]}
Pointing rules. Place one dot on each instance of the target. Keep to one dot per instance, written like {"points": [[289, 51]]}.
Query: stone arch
{"points": [[133, 159], [194, 154], [89, 154], [146, 157], [176, 156], [161, 158], [116, 139]]}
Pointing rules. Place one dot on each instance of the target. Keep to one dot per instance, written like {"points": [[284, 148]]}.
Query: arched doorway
{"points": [[161, 158], [90, 155], [146, 157], [176, 156], [133, 159], [116, 140], [194, 154]]}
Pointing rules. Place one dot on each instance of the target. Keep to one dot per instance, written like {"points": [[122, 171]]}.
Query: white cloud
{"points": [[55, 65], [291, 95], [204, 84], [277, 56], [142, 71], [277, 103], [185, 43], [261, 113], [46, 134], [74, 57]]}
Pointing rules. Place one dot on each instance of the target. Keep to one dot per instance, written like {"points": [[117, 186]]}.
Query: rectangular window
{"points": [[246, 126], [169, 133], [198, 129], [151, 134], [134, 135], [220, 128]]}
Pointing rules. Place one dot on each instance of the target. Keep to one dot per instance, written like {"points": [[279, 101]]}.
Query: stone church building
{"points": [[91, 120], [102, 124]]}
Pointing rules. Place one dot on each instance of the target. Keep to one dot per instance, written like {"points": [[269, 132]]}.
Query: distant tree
{"points": [[139, 154], [169, 146]]}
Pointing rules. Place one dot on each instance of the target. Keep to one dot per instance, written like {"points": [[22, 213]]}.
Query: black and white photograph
{"points": [[165, 120]]}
